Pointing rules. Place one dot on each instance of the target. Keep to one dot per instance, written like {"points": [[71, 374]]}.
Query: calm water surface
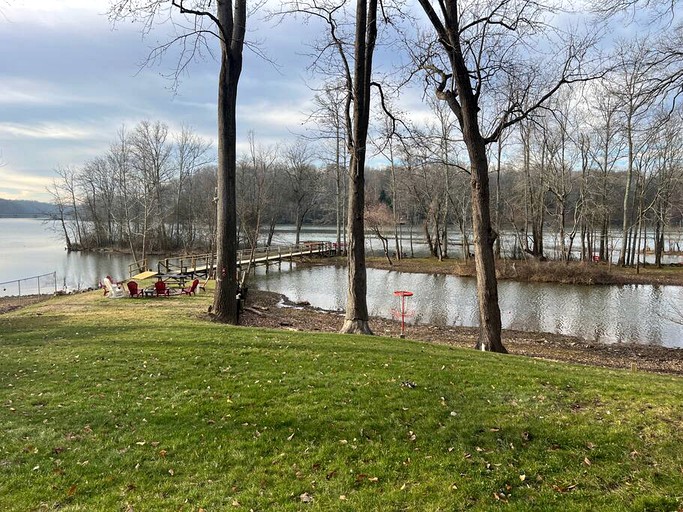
{"points": [[610, 314], [30, 247]]}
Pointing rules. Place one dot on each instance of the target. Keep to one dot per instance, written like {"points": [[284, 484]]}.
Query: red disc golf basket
{"points": [[403, 312]]}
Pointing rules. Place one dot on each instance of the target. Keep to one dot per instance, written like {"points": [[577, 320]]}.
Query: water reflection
{"points": [[605, 314]]}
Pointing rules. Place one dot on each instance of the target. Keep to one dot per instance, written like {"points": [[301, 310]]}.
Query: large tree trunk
{"points": [[484, 258], [225, 301], [356, 317]]}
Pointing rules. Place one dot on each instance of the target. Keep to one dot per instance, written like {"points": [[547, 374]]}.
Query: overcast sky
{"points": [[69, 80]]}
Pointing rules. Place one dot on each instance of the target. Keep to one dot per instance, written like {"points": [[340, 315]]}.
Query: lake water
{"points": [[639, 314], [30, 247], [607, 314]]}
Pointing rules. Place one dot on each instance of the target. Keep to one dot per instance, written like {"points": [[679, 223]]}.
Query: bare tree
{"points": [[226, 20], [304, 182], [377, 217], [356, 75], [481, 44], [329, 117], [629, 86], [189, 155]]}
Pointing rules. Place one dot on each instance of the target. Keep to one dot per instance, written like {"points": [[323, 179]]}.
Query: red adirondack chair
{"points": [[161, 289], [191, 290], [134, 290]]}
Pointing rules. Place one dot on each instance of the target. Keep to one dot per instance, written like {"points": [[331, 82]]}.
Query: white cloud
{"points": [[21, 185], [42, 131]]}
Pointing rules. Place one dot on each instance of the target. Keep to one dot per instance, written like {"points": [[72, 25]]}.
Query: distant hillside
{"points": [[22, 208]]}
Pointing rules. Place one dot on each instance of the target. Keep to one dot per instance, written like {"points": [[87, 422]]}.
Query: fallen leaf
{"points": [[235, 503], [306, 498], [522, 477], [342, 497], [171, 472], [162, 453], [72, 490], [587, 461], [373, 479], [291, 437]]}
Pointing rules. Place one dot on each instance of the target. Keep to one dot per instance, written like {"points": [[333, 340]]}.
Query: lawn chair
{"points": [[202, 286], [161, 289], [134, 290], [111, 289], [191, 290]]}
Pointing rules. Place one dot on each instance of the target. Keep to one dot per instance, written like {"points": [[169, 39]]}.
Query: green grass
{"points": [[143, 405]]}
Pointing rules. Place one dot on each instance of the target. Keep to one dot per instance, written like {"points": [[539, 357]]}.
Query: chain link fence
{"points": [[44, 284]]}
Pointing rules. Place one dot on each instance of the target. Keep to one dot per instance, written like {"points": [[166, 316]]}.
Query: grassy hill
{"points": [[143, 404]]}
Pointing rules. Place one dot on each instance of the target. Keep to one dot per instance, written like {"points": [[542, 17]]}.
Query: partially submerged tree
{"points": [[485, 65], [226, 20]]}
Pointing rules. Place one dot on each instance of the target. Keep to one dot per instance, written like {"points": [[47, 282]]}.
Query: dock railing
{"points": [[202, 265]]}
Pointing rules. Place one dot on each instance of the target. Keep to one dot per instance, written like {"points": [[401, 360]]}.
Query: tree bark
{"points": [[484, 258], [232, 41], [356, 317]]}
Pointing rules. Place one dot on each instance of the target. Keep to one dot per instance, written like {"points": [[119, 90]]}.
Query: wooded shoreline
{"points": [[543, 271]]}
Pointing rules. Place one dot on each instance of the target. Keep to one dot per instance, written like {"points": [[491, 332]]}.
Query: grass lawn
{"points": [[141, 404]]}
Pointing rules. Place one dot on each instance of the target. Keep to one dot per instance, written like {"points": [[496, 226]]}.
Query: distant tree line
{"points": [[25, 208], [154, 192]]}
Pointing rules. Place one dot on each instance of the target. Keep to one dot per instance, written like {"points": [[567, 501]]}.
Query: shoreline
{"points": [[263, 310]]}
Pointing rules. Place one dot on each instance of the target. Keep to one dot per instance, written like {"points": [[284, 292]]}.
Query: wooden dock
{"points": [[203, 265]]}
